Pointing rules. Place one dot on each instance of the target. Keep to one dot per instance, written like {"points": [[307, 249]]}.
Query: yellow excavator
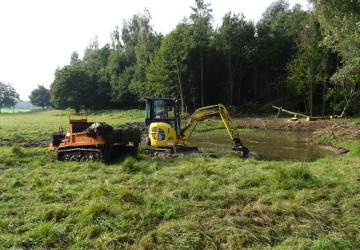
{"points": [[165, 133]]}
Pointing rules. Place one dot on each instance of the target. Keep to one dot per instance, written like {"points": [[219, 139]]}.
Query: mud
{"points": [[281, 124], [336, 150], [24, 143], [345, 131]]}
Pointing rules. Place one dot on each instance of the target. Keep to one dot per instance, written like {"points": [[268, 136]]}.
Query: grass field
{"points": [[221, 202], [10, 111], [38, 125]]}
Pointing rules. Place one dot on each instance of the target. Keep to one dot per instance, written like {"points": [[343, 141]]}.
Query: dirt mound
{"points": [[345, 131], [142, 127], [111, 135], [281, 124]]}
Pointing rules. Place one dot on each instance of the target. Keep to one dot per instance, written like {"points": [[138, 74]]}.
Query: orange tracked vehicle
{"points": [[89, 141]]}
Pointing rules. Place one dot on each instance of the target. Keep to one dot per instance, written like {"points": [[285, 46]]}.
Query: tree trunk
{"points": [[310, 85], [239, 92], [180, 88], [324, 85], [202, 78], [267, 82], [255, 76], [231, 88]]}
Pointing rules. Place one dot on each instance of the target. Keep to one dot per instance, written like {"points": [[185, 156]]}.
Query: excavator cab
{"points": [[163, 117], [163, 110]]}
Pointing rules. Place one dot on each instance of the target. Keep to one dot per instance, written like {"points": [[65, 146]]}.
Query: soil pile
{"points": [[281, 124], [111, 135], [344, 131]]}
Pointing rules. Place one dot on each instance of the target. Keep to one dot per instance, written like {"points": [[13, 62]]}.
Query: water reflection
{"points": [[263, 144]]}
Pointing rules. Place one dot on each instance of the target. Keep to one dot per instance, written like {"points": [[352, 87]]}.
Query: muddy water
{"points": [[266, 145]]}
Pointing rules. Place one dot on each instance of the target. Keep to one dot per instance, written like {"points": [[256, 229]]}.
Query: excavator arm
{"points": [[229, 124]]}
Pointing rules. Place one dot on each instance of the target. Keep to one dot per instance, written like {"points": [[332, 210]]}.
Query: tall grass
{"points": [[221, 202], [186, 203]]}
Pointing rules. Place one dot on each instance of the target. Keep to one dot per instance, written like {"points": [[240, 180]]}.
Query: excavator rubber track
{"points": [[83, 154], [171, 152]]}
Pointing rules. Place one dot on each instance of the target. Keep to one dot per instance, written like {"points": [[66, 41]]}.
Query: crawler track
{"points": [[83, 154]]}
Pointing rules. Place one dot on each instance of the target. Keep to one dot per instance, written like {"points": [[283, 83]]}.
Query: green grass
{"points": [[221, 202], [7, 111], [38, 125]]}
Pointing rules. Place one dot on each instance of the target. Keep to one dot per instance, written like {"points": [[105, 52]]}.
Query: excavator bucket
{"points": [[242, 152], [240, 148]]}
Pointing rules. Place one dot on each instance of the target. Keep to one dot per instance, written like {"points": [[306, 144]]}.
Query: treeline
{"points": [[307, 61]]}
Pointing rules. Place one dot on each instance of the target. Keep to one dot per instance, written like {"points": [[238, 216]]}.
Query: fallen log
{"points": [[307, 117]]}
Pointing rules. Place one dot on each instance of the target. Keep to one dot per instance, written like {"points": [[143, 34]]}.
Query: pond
{"points": [[263, 144]]}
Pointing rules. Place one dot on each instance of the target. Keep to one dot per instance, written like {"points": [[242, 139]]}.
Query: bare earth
{"points": [[337, 128]]}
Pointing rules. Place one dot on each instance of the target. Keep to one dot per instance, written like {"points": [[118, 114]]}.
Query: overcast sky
{"points": [[37, 36]]}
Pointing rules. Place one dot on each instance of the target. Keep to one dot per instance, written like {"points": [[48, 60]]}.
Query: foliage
{"points": [[8, 96], [170, 64], [201, 23], [72, 88], [307, 71], [276, 44], [81, 85], [340, 22], [40, 97], [283, 59], [235, 39], [130, 58]]}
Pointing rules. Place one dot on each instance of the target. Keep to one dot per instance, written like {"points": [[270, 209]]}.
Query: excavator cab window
{"points": [[163, 110]]}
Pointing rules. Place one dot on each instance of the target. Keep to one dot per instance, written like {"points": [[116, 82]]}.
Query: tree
{"points": [[308, 69], [235, 39], [276, 32], [8, 96], [73, 88], [340, 20], [170, 63], [139, 43], [202, 29], [74, 58], [40, 97]]}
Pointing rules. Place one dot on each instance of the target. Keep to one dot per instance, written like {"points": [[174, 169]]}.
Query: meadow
{"points": [[218, 202]]}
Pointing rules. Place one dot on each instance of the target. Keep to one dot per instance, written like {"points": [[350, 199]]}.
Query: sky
{"points": [[38, 36]]}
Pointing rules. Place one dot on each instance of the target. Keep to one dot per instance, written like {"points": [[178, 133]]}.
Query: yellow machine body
{"points": [[162, 135], [165, 132]]}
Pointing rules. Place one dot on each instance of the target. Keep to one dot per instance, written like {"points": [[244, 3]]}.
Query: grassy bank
{"points": [[196, 202], [40, 124]]}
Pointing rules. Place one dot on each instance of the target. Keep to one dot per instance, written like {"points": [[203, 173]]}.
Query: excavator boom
{"points": [[225, 116]]}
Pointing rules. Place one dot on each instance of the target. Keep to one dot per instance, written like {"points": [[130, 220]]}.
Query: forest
{"points": [[303, 60]]}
